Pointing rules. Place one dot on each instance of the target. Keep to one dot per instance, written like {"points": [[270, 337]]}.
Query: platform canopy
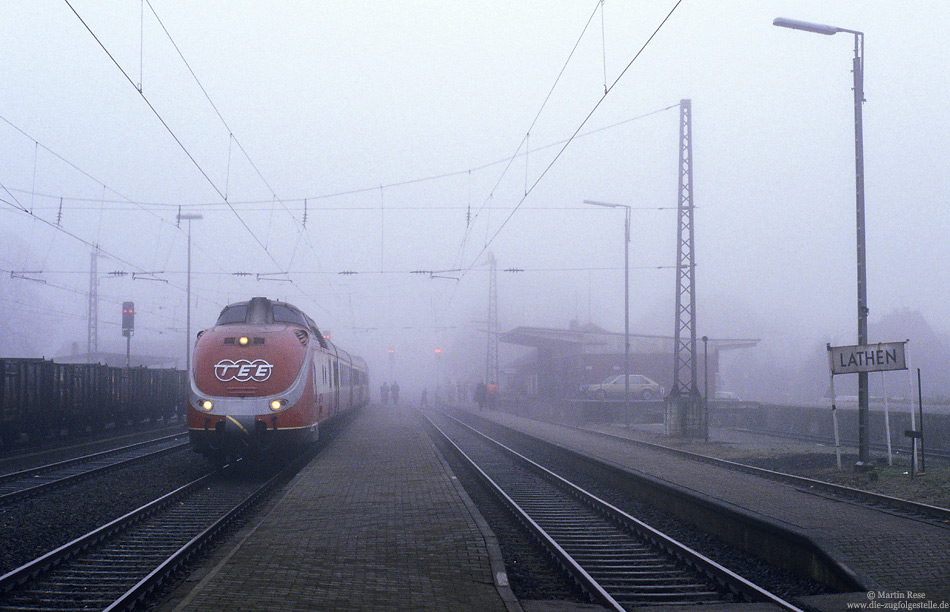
{"points": [[590, 338]]}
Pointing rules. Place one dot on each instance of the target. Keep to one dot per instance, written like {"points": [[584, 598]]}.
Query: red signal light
{"points": [[128, 318]]}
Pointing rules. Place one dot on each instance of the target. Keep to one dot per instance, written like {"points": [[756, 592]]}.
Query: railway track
{"points": [[902, 449], [620, 561], [118, 564], [876, 500], [24, 483], [29, 456]]}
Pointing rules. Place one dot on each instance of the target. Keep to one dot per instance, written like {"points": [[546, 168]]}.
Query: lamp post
{"points": [[864, 455], [626, 302], [188, 217], [706, 386]]}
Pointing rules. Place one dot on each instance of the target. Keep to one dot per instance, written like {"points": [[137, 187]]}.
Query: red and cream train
{"points": [[264, 378]]}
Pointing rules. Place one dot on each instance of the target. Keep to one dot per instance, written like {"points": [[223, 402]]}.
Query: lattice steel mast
{"points": [[685, 334], [685, 415]]}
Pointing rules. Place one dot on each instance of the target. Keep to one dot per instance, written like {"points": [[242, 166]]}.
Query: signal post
{"points": [[128, 324]]}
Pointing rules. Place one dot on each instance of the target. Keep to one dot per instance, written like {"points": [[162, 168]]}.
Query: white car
{"points": [[641, 387]]}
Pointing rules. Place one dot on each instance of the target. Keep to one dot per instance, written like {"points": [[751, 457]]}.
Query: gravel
{"points": [[532, 573], [33, 526], [775, 580]]}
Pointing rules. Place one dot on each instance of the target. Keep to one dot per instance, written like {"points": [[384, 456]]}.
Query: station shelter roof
{"points": [[590, 338]]}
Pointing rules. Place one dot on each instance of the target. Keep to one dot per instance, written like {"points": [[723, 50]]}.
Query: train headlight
{"points": [[243, 340], [206, 405], [277, 404]]}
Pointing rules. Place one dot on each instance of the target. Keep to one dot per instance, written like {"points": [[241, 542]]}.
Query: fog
{"points": [[401, 143]]}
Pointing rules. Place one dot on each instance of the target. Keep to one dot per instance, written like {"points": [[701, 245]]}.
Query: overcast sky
{"points": [[382, 138]]}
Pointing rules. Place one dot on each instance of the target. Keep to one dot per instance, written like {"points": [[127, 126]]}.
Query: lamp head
{"points": [[806, 26]]}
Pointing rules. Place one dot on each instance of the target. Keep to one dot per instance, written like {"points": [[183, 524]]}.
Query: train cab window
{"points": [[285, 314], [233, 314]]}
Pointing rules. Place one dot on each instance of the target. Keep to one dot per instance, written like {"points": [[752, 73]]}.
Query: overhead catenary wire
{"points": [[95, 203], [576, 131], [188, 154], [232, 139], [338, 194], [265, 276], [168, 129], [89, 244], [504, 172], [391, 207]]}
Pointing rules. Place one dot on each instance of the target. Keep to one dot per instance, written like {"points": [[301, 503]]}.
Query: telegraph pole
{"points": [[92, 327], [491, 361]]}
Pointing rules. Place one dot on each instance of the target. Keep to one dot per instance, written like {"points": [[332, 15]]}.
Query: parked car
{"points": [[641, 387], [726, 396]]}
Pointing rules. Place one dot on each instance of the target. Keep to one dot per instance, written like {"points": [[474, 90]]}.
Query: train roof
{"points": [[262, 311]]}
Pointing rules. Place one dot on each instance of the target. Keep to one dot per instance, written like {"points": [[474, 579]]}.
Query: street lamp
{"points": [[626, 302], [188, 217], [864, 455]]}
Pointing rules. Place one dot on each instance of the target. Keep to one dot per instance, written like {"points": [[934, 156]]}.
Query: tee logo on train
{"points": [[242, 370]]}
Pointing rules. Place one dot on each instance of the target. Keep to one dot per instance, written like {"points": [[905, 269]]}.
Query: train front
{"points": [[251, 384]]}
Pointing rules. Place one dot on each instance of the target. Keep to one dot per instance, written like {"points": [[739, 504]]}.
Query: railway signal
{"points": [[128, 325], [128, 318]]}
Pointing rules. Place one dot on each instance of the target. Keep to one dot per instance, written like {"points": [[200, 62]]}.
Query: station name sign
{"points": [[879, 357]]}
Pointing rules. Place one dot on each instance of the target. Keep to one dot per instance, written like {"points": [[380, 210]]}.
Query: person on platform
{"points": [[481, 395], [384, 393], [491, 391], [424, 399]]}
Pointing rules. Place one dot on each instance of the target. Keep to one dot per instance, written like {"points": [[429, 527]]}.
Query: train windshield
{"points": [[233, 314], [285, 314], [260, 311]]}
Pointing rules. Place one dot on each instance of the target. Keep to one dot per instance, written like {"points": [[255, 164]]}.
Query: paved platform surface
{"points": [[891, 555], [375, 522]]}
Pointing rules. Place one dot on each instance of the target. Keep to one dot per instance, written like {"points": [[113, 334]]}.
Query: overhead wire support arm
{"points": [[273, 276], [24, 275], [149, 276]]}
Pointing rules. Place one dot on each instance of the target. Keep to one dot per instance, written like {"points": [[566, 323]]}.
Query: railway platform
{"points": [[899, 560], [375, 522]]}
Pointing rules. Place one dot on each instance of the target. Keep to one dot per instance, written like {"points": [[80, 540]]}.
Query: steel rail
{"points": [[851, 443], [141, 581], [590, 585], [904, 505], [156, 577], [65, 446], [56, 556], [25, 476], [705, 566], [85, 458]]}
